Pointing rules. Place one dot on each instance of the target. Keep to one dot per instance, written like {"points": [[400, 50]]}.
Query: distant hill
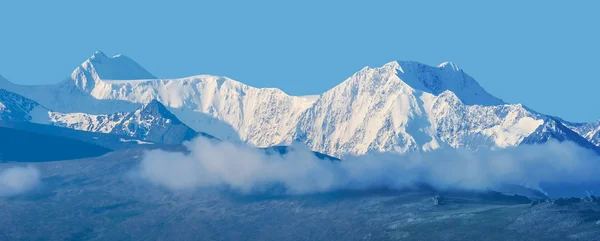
{"points": [[23, 146]]}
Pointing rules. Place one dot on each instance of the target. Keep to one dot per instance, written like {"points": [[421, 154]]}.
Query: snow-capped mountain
{"points": [[590, 131], [554, 129], [14, 107], [74, 93], [100, 66], [151, 122], [377, 110], [401, 106]]}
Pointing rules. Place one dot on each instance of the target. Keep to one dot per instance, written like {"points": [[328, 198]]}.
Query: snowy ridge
{"points": [[554, 129], [155, 123], [87, 122], [474, 126], [151, 122], [447, 76], [14, 107], [73, 93], [259, 116], [402, 106], [590, 131]]}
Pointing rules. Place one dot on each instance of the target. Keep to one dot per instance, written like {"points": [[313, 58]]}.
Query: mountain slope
{"points": [[553, 129], [589, 131], [376, 110], [73, 93], [445, 77], [476, 126], [151, 122], [14, 107], [100, 66], [218, 105], [23, 146], [109, 141]]}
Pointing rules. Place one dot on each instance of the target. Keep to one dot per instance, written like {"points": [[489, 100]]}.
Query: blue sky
{"points": [[544, 54]]}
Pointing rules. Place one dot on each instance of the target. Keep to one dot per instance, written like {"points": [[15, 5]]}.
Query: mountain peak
{"points": [[155, 123], [99, 55], [553, 129], [446, 76], [153, 104], [156, 108], [411, 65], [118, 67], [391, 65], [449, 65], [430, 79], [99, 67]]}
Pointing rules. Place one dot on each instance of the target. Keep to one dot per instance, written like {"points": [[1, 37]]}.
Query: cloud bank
{"points": [[17, 180], [246, 169]]}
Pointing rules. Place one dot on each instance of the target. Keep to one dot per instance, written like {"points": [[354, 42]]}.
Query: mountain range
{"points": [[402, 106]]}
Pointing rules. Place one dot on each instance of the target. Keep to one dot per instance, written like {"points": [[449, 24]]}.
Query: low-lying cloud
{"points": [[17, 180], [246, 169]]}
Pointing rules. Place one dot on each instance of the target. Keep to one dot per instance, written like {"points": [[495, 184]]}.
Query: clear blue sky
{"points": [[544, 54]]}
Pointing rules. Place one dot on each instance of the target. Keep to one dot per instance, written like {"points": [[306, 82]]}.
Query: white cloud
{"points": [[248, 169], [17, 180]]}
